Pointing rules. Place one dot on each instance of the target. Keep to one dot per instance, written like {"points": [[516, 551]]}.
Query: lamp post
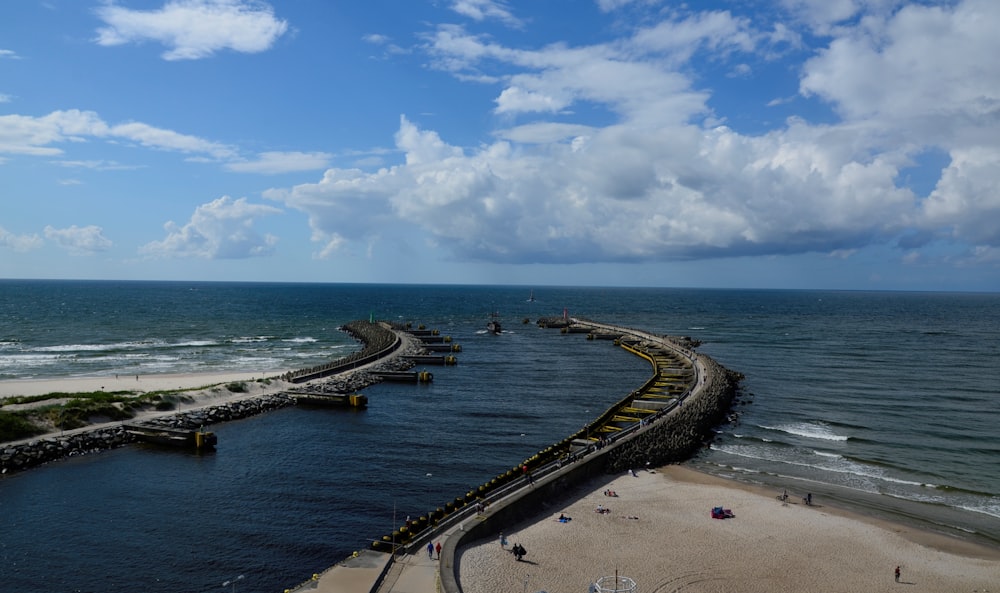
{"points": [[233, 582]]}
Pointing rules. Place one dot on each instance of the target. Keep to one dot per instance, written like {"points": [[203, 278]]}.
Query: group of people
{"points": [[517, 550]]}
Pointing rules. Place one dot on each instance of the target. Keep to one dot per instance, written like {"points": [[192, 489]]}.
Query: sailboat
{"points": [[531, 296]]}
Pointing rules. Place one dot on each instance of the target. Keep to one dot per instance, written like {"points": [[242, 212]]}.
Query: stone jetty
{"points": [[375, 337]]}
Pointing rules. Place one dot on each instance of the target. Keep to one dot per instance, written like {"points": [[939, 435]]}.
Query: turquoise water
{"points": [[885, 402]]}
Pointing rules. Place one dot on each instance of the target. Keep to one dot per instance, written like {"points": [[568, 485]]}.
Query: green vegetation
{"points": [[79, 409], [237, 387], [14, 426]]}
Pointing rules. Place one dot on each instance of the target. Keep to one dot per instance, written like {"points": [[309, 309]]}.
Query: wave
{"points": [[809, 430], [116, 346], [250, 339], [303, 340], [760, 439], [825, 454], [833, 464]]}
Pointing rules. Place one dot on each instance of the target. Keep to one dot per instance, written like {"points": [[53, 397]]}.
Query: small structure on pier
{"points": [[173, 437], [615, 584], [324, 400]]}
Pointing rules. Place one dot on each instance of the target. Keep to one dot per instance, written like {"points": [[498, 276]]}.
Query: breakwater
{"points": [[378, 342], [22, 456], [666, 420], [377, 339]]}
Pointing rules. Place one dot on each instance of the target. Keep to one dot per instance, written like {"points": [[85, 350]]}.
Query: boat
{"points": [[493, 326], [531, 296]]}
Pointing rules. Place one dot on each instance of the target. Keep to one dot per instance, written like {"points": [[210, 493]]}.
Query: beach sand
{"points": [[141, 383], [200, 390], [675, 546]]}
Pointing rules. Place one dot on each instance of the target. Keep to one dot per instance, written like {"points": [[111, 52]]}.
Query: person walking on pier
{"points": [[437, 548], [430, 550]]}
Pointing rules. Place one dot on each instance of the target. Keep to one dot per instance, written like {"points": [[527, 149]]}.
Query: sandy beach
{"points": [[141, 383], [660, 534]]}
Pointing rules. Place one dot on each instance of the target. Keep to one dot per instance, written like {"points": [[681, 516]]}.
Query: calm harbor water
{"points": [[885, 402]]}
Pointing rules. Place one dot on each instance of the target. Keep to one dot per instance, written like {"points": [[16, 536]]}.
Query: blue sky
{"points": [[847, 144]]}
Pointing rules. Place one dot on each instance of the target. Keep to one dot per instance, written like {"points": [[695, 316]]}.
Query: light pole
{"points": [[233, 582]]}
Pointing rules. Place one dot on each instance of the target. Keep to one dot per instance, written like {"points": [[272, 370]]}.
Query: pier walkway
{"points": [[412, 571]]}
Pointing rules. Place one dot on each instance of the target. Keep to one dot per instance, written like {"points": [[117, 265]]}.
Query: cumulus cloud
{"points": [[76, 240], [663, 182], [194, 29], [282, 162], [221, 229], [619, 195], [19, 243]]}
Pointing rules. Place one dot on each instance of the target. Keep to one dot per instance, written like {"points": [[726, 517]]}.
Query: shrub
{"points": [[14, 426]]}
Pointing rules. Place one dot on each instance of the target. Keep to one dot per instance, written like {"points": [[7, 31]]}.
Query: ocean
{"points": [[883, 402]]}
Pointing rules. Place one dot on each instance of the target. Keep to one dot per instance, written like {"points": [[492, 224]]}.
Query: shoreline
{"points": [[141, 383], [955, 544], [953, 523], [664, 513]]}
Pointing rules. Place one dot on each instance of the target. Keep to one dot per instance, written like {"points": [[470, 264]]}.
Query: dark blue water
{"points": [[883, 401]]}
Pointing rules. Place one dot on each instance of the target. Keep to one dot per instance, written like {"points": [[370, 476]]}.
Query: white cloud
{"points": [[610, 5], [927, 65], [480, 10], [97, 165], [5, 98], [19, 243], [965, 204], [9, 54], [194, 29], [221, 229], [625, 193], [76, 240], [153, 137], [632, 78], [22, 134], [282, 162], [544, 132]]}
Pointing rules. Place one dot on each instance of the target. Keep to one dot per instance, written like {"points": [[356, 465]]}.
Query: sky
{"points": [[834, 144]]}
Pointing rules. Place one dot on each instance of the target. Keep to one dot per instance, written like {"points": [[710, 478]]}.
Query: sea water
{"points": [[883, 402]]}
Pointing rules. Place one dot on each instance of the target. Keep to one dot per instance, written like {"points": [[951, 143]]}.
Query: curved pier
{"points": [[665, 420]]}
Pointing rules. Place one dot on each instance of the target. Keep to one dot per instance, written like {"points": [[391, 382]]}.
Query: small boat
{"points": [[493, 325], [531, 296]]}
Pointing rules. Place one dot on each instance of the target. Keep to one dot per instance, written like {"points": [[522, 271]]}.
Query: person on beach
{"points": [[897, 574], [503, 541], [437, 548], [430, 550]]}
